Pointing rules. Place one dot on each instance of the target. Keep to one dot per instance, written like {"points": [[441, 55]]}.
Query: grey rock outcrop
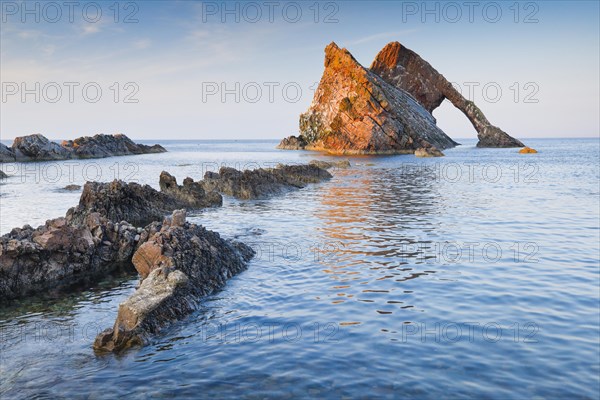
{"points": [[292, 143], [72, 188], [428, 152], [38, 148], [178, 263], [341, 164], [263, 182], [6, 154], [60, 253], [100, 146], [191, 194], [139, 204]]}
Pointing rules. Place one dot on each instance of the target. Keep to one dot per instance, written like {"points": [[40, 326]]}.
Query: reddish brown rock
{"points": [[406, 70], [354, 111], [149, 257]]}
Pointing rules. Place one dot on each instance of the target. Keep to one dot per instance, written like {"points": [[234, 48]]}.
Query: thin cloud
{"points": [[383, 35], [142, 44]]}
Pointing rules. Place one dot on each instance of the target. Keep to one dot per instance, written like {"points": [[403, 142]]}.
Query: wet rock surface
{"points": [[263, 182], [428, 152], [38, 148], [61, 253], [179, 262], [72, 188], [139, 204], [341, 164]]}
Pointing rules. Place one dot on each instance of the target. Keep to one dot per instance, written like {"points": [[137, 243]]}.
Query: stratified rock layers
{"points": [[178, 263], [385, 109], [354, 111], [406, 70]]}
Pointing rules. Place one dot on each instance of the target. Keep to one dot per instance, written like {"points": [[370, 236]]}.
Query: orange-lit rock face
{"points": [[356, 112], [385, 109], [527, 150]]}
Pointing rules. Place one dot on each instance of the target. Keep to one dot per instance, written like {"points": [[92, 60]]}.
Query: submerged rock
{"points": [[178, 263], [72, 188], [61, 253], [406, 70], [428, 152], [263, 182], [354, 111], [527, 150], [342, 164], [292, 143], [6, 154], [38, 148]]}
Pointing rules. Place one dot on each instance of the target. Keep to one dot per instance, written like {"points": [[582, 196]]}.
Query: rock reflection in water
{"points": [[378, 230]]}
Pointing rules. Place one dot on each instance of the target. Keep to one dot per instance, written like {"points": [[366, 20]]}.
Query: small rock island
{"points": [[39, 148], [384, 109]]}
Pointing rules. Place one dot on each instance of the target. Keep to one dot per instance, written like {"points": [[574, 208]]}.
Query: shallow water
{"points": [[472, 276]]}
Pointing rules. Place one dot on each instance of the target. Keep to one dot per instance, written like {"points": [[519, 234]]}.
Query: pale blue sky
{"points": [[178, 51]]}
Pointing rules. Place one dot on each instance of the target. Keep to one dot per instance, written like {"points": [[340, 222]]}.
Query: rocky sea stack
{"points": [[385, 109], [39, 148]]}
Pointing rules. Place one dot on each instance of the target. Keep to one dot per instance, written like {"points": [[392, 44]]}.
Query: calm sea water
{"points": [[471, 276]]}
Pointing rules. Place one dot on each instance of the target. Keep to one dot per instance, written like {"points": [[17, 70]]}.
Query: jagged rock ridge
{"points": [[178, 263], [38, 148], [406, 70]]}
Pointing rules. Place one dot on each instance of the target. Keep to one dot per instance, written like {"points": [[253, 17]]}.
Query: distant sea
{"points": [[475, 275]]}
